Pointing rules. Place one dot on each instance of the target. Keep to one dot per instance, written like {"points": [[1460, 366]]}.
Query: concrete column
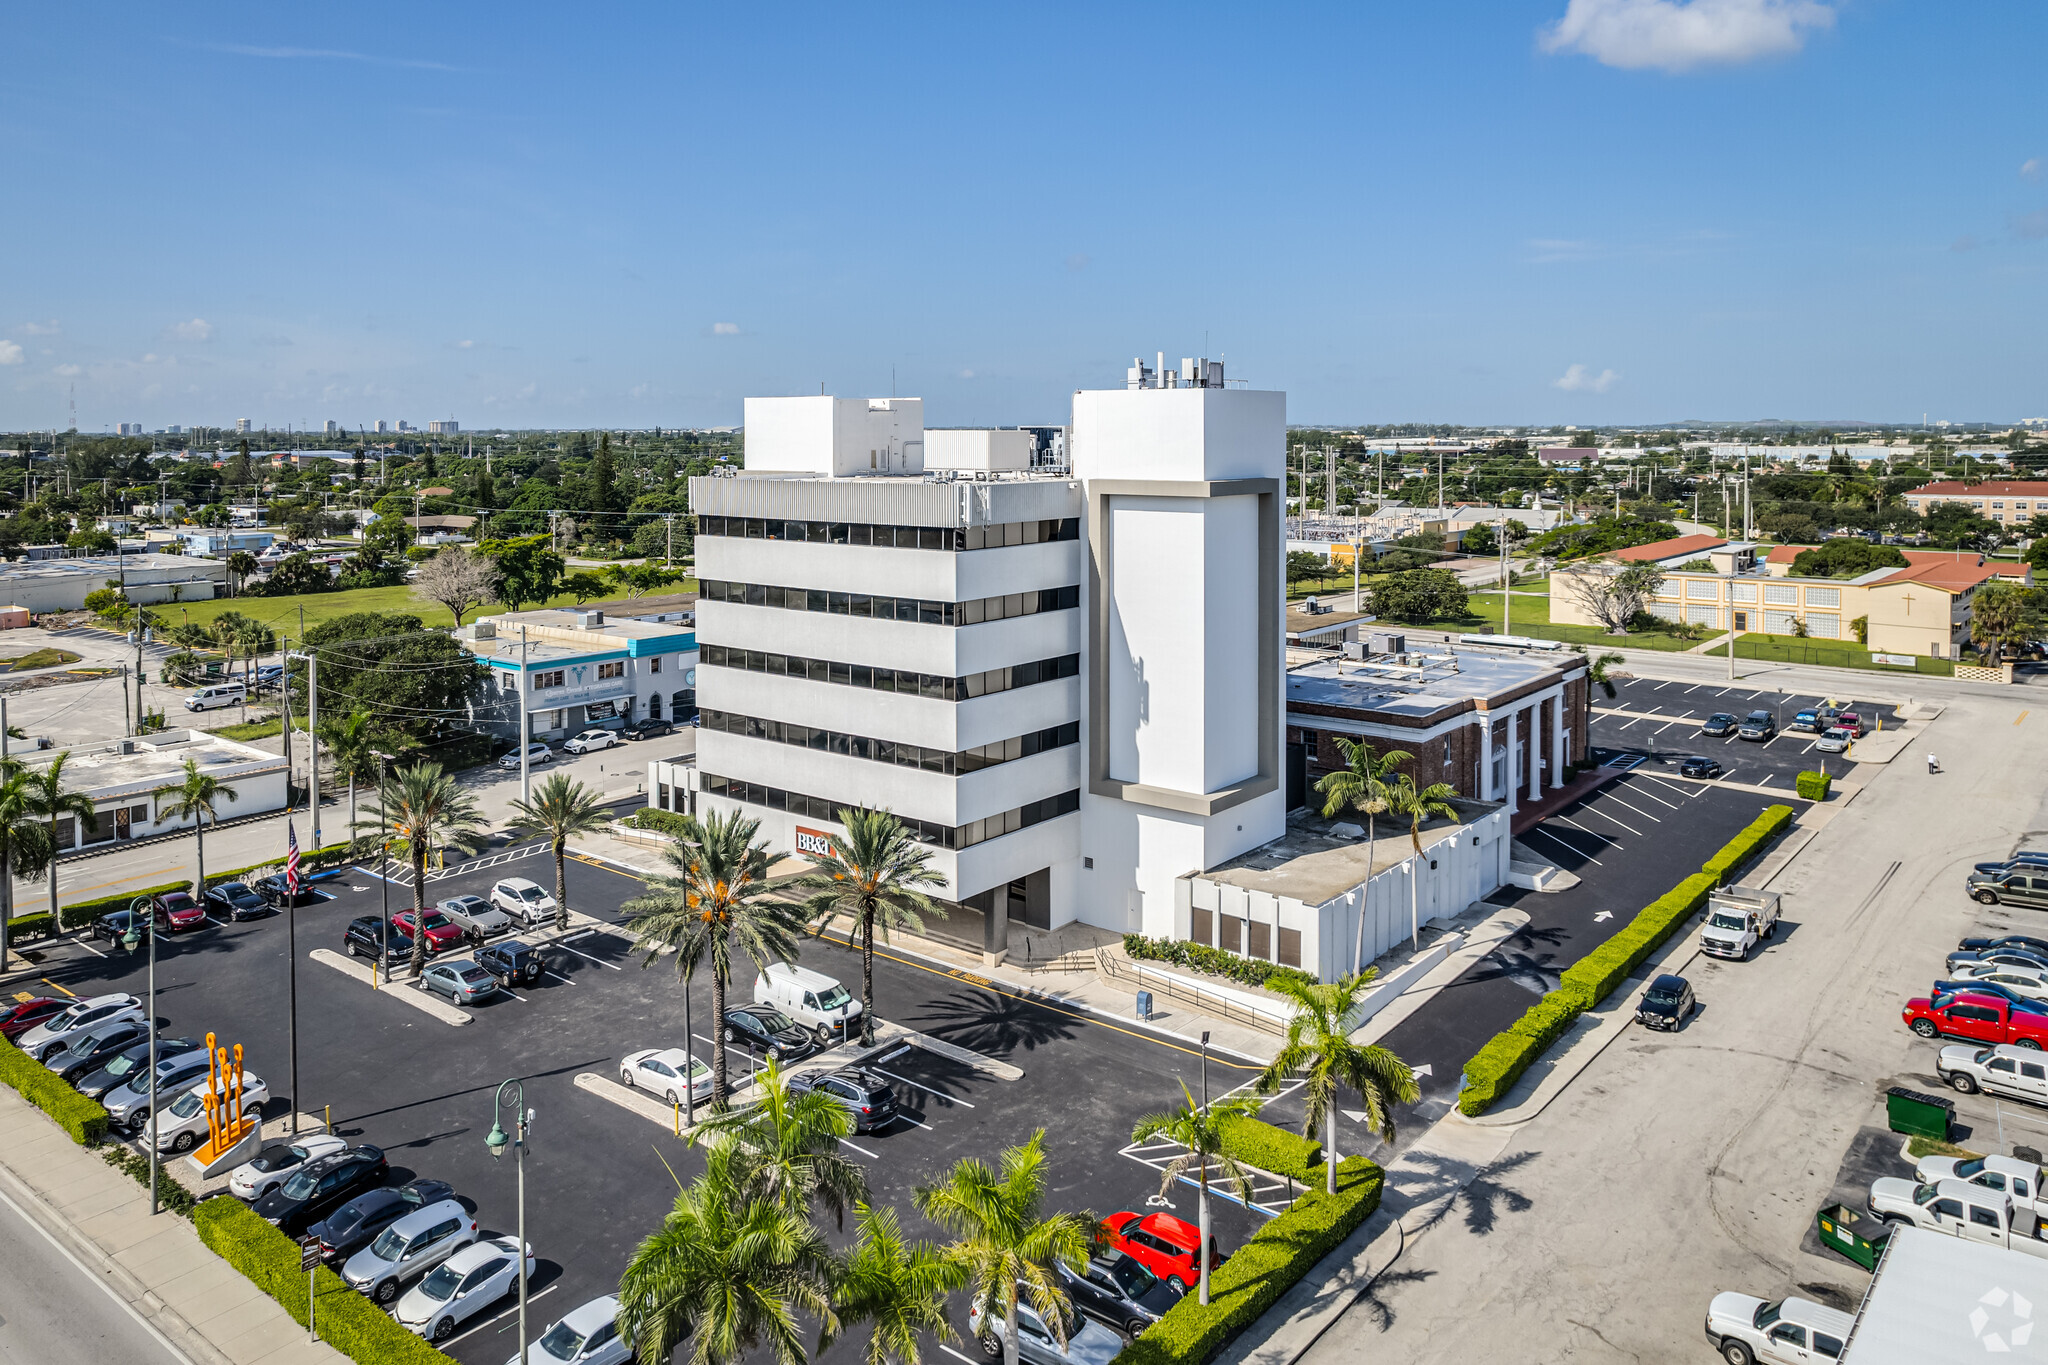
{"points": [[1558, 755], [1486, 758], [1512, 784], [1536, 752]]}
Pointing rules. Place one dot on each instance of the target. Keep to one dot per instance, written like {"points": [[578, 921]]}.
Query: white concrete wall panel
{"points": [[874, 569], [1229, 660], [1179, 434], [1156, 638], [997, 862]]}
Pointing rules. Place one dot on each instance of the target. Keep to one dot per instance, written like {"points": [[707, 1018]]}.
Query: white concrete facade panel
{"points": [[913, 792]]}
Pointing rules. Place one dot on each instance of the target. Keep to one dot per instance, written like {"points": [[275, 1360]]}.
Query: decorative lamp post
{"points": [[130, 939], [522, 1122]]}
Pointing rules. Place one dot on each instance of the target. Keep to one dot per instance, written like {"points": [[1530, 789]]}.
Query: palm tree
{"points": [[53, 801], [1596, 670], [1003, 1243], [1418, 804], [897, 1287], [1199, 1131], [1998, 617], [194, 799], [424, 810], [715, 897], [1360, 784], [23, 840], [871, 874], [241, 564], [725, 1273], [252, 638], [788, 1146], [1319, 1048], [351, 753], [562, 809]]}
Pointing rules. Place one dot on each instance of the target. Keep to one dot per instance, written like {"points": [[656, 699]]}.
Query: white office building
{"points": [[1068, 685]]}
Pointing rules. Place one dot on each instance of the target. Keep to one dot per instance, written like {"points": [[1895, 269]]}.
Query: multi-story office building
{"points": [[445, 428]]}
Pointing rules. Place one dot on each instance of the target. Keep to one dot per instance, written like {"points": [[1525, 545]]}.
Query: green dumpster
{"points": [[1918, 1115], [1858, 1236]]}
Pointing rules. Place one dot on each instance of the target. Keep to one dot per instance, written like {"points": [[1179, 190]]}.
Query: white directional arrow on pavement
{"points": [[1604, 914], [1424, 1070], [1355, 1115]]}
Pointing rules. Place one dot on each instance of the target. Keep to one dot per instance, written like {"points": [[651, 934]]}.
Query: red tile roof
{"points": [[1671, 549], [1949, 575], [1955, 488]]}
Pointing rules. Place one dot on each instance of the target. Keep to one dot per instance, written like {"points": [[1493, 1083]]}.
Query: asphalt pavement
{"points": [[1659, 722]]}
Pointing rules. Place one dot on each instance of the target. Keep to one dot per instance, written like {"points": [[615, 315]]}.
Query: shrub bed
{"points": [[1214, 961], [1591, 978], [28, 928], [1264, 1268], [1813, 786], [84, 1119], [79, 915], [169, 1192], [1737, 852], [317, 859], [1258, 1143], [660, 821]]}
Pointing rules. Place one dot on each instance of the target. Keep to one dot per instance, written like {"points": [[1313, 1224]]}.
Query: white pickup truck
{"points": [[1959, 1209], [1738, 919], [2004, 1174]]}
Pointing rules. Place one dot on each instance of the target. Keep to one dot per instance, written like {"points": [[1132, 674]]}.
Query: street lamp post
{"points": [[130, 939], [522, 1122], [384, 859]]}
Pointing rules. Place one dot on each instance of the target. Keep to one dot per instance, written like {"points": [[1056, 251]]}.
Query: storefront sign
{"points": [[1895, 660], [815, 842]]}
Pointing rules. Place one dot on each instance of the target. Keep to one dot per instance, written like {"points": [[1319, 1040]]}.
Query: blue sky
{"points": [[1584, 211]]}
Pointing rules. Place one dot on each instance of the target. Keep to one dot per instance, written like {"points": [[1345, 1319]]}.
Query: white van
{"points": [[220, 694], [813, 999]]}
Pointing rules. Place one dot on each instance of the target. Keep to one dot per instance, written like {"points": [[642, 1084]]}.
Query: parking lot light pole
{"points": [[129, 940], [383, 864], [522, 1120], [1205, 1071]]}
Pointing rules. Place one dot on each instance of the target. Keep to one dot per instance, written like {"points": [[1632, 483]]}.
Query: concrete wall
{"points": [[986, 451], [837, 436]]}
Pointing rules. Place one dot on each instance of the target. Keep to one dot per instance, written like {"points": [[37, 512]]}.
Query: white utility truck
{"points": [[1738, 919]]}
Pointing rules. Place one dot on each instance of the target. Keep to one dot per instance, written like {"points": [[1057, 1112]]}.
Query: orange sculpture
{"points": [[226, 1124]]}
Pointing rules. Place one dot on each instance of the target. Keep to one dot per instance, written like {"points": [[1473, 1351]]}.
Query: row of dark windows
{"points": [[901, 537], [893, 608], [894, 679], [891, 751], [924, 831]]}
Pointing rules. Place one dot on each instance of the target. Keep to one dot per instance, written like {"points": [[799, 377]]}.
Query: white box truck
{"points": [[1941, 1298], [1738, 919]]}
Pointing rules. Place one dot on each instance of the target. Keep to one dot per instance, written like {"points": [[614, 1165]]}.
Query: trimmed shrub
{"points": [[169, 1192], [1214, 961], [84, 1119], [28, 928], [1726, 865], [79, 915], [1592, 977], [660, 821], [1494, 1068], [316, 860], [347, 1321], [1258, 1143], [1813, 786], [1264, 1268]]}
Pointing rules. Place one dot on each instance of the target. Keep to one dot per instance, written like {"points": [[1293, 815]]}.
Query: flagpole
{"points": [[291, 920]]}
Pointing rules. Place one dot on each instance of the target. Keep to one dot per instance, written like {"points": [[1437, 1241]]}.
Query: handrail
{"points": [[1176, 988]]}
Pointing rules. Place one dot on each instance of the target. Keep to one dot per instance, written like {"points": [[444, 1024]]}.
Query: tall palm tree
{"points": [[714, 899], [1319, 1048], [1004, 1243], [1360, 784], [194, 798], [788, 1146], [897, 1287], [1199, 1131], [424, 810], [24, 848], [872, 874], [241, 564], [1418, 804], [724, 1274], [351, 753], [53, 800], [562, 809], [1596, 671], [252, 638]]}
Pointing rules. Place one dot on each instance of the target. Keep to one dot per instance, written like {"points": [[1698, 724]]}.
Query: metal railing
{"points": [[1177, 988]]}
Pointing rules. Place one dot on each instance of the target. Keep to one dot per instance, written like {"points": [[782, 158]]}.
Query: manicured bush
{"points": [[310, 860], [1258, 1143], [1497, 1065], [28, 928], [1593, 976], [83, 913], [1214, 961], [1264, 1268], [1736, 853], [347, 1321], [1813, 786], [660, 821], [84, 1119]]}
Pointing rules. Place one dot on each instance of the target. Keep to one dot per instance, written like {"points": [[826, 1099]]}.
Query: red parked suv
{"points": [[176, 912], [1163, 1244], [1978, 1016], [442, 933]]}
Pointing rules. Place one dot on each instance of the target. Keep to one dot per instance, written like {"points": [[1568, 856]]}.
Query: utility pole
{"points": [[1504, 576]]}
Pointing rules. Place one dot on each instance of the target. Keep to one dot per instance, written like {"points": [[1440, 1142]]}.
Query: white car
{"points": [[536, 754], [1789, 1332], [2008, 1175], [253, 1179], [465, 1284], [409, 1247], [2018, 1072], [660, 1071], [590, 741], [2031, 982], [181, 1125], [587, 1336], [527, 902], [1834, 740], [40, 1041]]}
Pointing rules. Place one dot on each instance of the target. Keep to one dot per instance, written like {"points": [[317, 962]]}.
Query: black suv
{"points": [[234, 900], [321, 1185], [1117, 1291], [648, 729], [1719, 725], [863, 1094], [513, 963], [366, 933], [767, 1030]]}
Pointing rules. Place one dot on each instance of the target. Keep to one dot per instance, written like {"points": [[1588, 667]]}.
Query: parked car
{"points": [[1744, 1329], [276, 893], [511, 962], [234, 901], [660, 1070], [1758, 725], [2014, 1072], [87, 1050], [410, 1246], [177, 911], [2025, 886], [321, 1186], [1087, 1342], [364, 937], [1668, 1003], [862, 1094], [1957, 1208], [1118, 1292], [357, 1223], [442, 933], [536, 754], [2004, 957], [42, 1039], [768, 1031], [1835, 741], [649, 728], [113, 926], [1804, 722], [2030, 982], [813, 999], [2025, 1003], [588, 1335], [1854, 723], [23, 1015], [1719, 725], [267, 1170], [115, 1070], [590, 741], [464, 983], [1975, 1015], [2006, 1174], [182, 1124], [1163, 1244], [475, 916], [220, 694], [2038, 946], [1697, 766], [460, 1287], [527, 902], [128, 1106]]}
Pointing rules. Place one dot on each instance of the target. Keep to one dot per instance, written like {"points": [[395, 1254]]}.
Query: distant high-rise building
{"points": [[404, 426], [330, 427], [381, 427], [174, 431], [243, 425], [443, 428], [130, 429]]}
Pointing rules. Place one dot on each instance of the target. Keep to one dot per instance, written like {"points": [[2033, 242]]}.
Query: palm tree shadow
{"points": [[991, 1024], [1380, 1311], [1487, 1197]]}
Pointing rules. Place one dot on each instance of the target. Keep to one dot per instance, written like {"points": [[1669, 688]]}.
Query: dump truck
{"points": [[1738, 919]]}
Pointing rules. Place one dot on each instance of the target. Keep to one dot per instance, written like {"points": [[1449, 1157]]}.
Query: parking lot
{"points": [[1660, 723]]}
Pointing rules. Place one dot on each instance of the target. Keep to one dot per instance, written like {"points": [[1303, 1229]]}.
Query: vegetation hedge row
{"points": [[1813, 786], [1214, 961], [1264, 1268], [317, 859], [1506, 1055], [1737, 852], [660, 821], [347, 1321], [83, 913], [27, 928], [84, 1119], [1592, 977], [1258, 1143]]}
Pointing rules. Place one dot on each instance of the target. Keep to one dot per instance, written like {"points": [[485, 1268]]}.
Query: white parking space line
{"points": [[907, 1119], [513, 1295], [872, 1156], [550, 971], [1574, 849], [1636, 721], [915, 1086], [1566, 819], [1661, 782], [563, 945], [88, 947], [958, 1356], [1619, 802]]}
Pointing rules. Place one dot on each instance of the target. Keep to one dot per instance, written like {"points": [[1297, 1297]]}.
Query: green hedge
{"points": [[1813, 786], [1264, 1268], [27, 928], [347, 1321], [1258, 1143], [1501, 1062], [84, 1119], [1214, 961], [1591, 978], [83, 913], [1737, 852], [660, 821], [309, 860]]}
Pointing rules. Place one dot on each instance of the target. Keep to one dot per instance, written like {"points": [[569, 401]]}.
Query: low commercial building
{"points": [[123, 776], [582, 668], [221, 544], [2002, 500], [61, 584]]}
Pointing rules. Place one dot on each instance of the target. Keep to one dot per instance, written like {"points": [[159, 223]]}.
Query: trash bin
{"points": [[1918, 1115], [1144, 1004], [1859, 1236]]}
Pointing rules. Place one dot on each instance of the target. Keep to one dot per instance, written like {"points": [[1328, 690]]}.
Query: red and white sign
{"points": [[815, 842]]}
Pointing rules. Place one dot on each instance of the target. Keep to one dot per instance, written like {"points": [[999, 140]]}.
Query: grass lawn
{"points": [[282, 613], [1790, 649], [1531, 616], [38, 658]]}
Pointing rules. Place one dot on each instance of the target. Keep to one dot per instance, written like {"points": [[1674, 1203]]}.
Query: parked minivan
{"points": [[813, 999], [220, 694]]}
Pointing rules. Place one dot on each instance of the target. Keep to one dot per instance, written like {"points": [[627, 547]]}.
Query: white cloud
{"points": [[10, 353], [68, 371], [149, 359], [198, 329], [1578, 379], [967, 374], [465, 345], [1678, 35], [42, 329], [725, 329], [2030, 169]]}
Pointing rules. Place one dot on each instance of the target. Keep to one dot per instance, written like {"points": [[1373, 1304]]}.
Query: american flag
{"points": [[291, 859]]}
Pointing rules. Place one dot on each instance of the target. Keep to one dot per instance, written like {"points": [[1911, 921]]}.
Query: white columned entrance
{"points": [[1536, 751], [1513, 754], [1559, 753], [1486, 758]]}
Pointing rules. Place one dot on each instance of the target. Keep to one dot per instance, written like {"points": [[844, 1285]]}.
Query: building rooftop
{"points": [[1429, 685], [560, 635], [100, 566], [1671, 549], [136, 767], [1310, 864], [1990, 488]]}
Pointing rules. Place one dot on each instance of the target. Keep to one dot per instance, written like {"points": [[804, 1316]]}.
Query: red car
{"points": [[1163, 1244], [19, 1018], [176, 912], [1978, 1016], [442, 933]]}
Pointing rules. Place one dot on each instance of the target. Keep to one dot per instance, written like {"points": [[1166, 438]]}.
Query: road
{"points": [[56, 1311]]}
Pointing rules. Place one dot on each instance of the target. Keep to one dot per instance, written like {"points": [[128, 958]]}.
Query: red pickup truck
{"points": [[1979, 1017]]}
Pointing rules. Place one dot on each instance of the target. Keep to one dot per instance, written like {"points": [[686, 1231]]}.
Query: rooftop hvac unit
{"points": [[1388, 642], [487, 630], [1354, 649]]}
